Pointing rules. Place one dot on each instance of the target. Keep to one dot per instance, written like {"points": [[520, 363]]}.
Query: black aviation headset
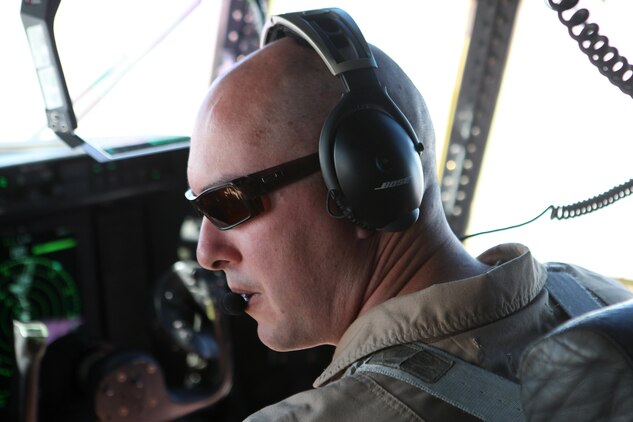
{"points": [[368, 151]]}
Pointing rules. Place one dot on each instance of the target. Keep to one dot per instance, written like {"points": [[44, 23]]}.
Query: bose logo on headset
{"points": [[368, 151], [394, 183]]}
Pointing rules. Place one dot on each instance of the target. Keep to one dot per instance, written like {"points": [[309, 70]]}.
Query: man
{"points": [[312, 279]]}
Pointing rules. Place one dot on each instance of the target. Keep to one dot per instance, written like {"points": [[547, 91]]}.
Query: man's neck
{"points": [[417, 259]]}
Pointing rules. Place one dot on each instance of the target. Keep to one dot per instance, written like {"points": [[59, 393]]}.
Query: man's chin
{"points": [[281, 343]]}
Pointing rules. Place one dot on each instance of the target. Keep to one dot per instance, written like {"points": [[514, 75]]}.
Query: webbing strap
{"points": [[468, 387], [569, 294]]}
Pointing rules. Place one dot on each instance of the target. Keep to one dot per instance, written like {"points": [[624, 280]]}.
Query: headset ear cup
{"points": [[371, 162]]}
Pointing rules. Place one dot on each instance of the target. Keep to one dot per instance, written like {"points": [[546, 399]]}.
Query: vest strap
{"points": [[474, 390]]}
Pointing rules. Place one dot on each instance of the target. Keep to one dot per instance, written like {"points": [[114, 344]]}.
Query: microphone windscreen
{"points": [[233, 304]]}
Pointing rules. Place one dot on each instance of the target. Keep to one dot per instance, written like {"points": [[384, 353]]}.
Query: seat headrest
{"points": [[583, 370]]}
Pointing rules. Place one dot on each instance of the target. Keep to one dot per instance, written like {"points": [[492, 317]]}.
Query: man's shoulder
{"points": [[350, 398]]}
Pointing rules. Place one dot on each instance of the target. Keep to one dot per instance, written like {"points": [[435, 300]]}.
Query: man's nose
{"points": [[215, 250]]}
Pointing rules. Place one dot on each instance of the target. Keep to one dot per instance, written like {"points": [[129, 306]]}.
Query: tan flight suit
{"points": [[486, 320]]}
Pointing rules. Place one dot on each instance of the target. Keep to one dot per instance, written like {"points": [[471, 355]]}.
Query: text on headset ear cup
{"points": [[373, 168]]}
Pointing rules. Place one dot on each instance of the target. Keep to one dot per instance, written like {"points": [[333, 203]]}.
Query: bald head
{"points": [[280, 95], [278, 98]]}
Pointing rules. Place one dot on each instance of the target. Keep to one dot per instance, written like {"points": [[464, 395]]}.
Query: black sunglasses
{"points": [[230, 204]]}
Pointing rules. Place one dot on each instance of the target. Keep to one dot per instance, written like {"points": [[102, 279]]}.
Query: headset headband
{"points": [[342, 51], [368, 150]]}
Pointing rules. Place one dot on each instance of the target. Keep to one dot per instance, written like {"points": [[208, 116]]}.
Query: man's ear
{"points": [[362, 233]]}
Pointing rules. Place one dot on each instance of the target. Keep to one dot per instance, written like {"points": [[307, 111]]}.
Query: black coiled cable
{"points": [[619, 72], [577, 209], [605, 57], [592, 204]]}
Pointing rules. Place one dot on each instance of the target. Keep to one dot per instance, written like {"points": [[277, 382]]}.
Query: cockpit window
{"points": [[132, 69], [560, 135]]}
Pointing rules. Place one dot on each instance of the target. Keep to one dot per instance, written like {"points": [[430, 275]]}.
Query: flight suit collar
{"points": [[443, 310]]}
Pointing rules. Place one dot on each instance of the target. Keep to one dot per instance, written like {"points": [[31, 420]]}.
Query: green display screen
{"points": [[37, 283]]}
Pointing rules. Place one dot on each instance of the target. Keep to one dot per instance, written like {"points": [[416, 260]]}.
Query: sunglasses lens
{"points": [[225, 206]]}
